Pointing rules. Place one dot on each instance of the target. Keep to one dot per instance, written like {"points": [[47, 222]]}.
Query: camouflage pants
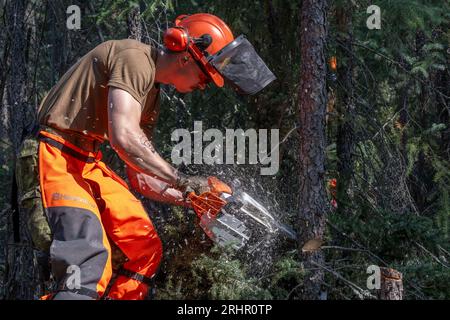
{"points": [[29, 194]]}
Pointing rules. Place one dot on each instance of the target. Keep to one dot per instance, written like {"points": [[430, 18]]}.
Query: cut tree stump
{"points": [[391, 285]]}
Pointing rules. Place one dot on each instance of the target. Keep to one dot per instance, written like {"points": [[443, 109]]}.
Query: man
{"points": [[112, 94]]}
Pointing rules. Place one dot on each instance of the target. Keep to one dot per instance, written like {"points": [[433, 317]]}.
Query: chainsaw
{"points": [[231, 217]]}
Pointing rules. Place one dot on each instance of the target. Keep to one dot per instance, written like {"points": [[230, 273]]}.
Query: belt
{"points": [[74, 153], [77, 139]]}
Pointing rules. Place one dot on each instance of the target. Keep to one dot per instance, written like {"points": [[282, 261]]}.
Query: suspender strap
{"points": [[136, 276], [81, 291]]}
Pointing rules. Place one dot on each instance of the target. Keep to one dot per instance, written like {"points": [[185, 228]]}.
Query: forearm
{"points": [[169, 196], [129, 140], [138, 152], [155, 189]]}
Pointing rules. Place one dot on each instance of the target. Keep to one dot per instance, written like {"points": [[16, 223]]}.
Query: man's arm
{"points": [[129, 140], [156, 189]]}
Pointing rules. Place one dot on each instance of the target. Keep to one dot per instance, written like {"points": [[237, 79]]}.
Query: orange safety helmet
{"points": [[202, 35]]}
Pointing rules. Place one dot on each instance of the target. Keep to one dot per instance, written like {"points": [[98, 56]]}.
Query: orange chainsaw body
{"points": [[210, 201]]}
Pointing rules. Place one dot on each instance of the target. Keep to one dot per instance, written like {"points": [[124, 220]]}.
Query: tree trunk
{"points": [[4, 153], [391, 285], [312, 111], [58, 39], [345, 108], [23, 281], [16, 89]]}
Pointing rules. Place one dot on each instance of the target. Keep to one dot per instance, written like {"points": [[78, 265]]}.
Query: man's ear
{"points": [[167, 63], [185, 59]]}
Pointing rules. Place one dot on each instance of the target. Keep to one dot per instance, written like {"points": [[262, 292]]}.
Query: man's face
{"points": [[188, 76]]}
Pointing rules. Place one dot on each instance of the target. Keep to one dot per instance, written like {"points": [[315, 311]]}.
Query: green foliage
{"points": [[288, 276], [398, 232], [119, 9], [228, 278], [429, 277], [215, 275], [399, 188], [219, 274]]}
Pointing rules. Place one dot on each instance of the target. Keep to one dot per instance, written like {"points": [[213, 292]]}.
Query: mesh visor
{"points": [[242, 67]]}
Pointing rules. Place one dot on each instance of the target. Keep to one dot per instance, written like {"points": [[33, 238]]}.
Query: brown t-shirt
{"points": [[78, 102]]}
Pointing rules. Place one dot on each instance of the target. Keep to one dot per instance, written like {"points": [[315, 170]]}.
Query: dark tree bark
{"points": [[22, 274], [345, 107], [3, 69], [312, 111], [4, 147], [16, 88], [58, 38]]}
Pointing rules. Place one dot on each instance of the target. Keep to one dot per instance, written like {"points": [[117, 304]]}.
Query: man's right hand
{"points": [[195, 184]]}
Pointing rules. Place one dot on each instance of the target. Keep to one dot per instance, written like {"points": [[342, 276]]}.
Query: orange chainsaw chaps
{"points": [[88, 206]]}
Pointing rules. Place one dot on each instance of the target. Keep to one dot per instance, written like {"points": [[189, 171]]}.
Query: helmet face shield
{"points": [[242, 67]]}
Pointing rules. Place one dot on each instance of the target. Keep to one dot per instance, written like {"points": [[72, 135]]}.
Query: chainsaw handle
{"points": [[216, 186]]}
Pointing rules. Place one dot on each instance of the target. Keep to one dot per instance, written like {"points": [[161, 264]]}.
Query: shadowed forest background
{"points": [[364, 163]]}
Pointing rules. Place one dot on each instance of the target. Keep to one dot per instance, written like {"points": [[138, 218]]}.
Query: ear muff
{"points": [[176, 39]]}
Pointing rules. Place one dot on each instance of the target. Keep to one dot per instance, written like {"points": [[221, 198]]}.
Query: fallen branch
{"points": [[432, 255]]}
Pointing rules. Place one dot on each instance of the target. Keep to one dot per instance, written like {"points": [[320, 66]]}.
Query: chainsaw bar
{"points": [[232, 218], [243, 205]]}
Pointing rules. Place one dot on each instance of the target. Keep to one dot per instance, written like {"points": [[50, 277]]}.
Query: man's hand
{"points": [[130, 142], [196, 184], [155, 189]]}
